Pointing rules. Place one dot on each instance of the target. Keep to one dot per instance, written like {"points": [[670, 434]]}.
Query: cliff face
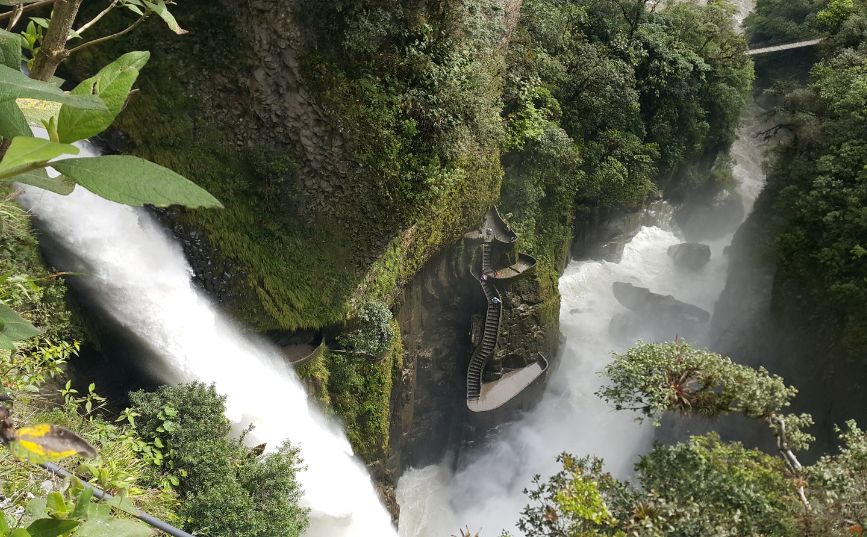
{"points": [[440, 315]]}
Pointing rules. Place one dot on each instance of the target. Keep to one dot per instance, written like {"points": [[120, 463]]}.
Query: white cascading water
{"points": [[488, 493], [140, 276]]}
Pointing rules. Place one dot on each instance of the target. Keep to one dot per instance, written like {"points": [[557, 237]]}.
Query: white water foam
{"points": [[488, 493], [140, 276]]}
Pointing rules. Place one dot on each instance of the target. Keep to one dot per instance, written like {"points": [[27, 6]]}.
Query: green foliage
{"points": [[839, 487], [784, 21], [416, 89], [701, 486], [86, 111], [374, 333], [70, 513], [226, 489], [653, 378], [112, 84], [27, 286], [581, 500], [737, 491], [537, 111], [815, 182]]}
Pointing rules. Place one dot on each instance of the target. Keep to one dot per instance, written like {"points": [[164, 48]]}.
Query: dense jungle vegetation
{"points": [[606, 102], [705, 485]]}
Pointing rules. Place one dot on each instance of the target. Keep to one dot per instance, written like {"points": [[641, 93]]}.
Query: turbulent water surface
{"points": [[487, 493], [140, 277]]}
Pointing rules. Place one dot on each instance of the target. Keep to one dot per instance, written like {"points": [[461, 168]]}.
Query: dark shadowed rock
{"points": [[653, 305], [690, 255]]}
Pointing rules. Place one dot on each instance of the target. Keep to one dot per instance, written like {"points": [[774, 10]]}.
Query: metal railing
{"points": [[102, 495]]}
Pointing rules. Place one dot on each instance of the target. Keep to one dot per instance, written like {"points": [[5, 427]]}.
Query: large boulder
{"points": [[655, 306], [690, 255]]}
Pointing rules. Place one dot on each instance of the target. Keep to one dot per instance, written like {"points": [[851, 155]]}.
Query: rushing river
{"points": [[139, 275], [487, 493]]}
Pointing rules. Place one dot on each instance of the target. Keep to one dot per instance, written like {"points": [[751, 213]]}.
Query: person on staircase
{"points": [[495, 300]]}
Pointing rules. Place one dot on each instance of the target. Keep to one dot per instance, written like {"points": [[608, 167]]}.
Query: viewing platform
{"points": [[500, 230], [525, 263], [299, 355], [496, 394]]}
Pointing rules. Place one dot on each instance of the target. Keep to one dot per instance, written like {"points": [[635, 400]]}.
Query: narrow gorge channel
{"points": [[486, 492]]}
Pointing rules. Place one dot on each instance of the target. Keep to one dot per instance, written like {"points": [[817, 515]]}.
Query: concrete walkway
{"points": [[496, 394]]}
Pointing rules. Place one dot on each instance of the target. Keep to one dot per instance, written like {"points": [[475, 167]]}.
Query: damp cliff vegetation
{"points": [[407, 84], [358, 391]]}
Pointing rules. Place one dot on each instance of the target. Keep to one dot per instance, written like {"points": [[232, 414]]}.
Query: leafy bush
{"points": [[227, 490], [702, 486], [375, 331]]}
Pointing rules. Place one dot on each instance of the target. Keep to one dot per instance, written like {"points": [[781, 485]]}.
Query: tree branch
{"points": [[112, 36], [17, 10], [95, 19], [791, 460], [29, 7]]}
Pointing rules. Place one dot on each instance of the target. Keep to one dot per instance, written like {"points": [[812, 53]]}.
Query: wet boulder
{"points": [[654, 317], [690, 255], [655, 306]]}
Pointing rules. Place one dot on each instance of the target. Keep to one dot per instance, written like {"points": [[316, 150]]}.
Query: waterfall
{"points": [[140, 277], [487, 493]]}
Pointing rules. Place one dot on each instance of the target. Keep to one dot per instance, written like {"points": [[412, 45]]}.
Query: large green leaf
{"points": [[19, 532], [12, 120], [50, 527], [16, 329], [97, 512], [61, 184], [25, 151], [133, 181], [4, 526], [159, 7], [113, 527], [82, 503], [112, 84], [123, 504], [10, 49], [15, 85]]}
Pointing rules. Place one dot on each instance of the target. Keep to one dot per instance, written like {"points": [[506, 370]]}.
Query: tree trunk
{"points": [[53, 50]]}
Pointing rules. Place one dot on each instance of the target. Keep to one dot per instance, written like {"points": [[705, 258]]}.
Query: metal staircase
{"points": [[492, 329]]}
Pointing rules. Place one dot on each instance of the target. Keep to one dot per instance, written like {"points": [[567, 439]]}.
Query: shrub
{"points": [[228, 490]]}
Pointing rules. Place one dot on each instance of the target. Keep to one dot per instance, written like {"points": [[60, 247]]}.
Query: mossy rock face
{"points": [[304, 229]]}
